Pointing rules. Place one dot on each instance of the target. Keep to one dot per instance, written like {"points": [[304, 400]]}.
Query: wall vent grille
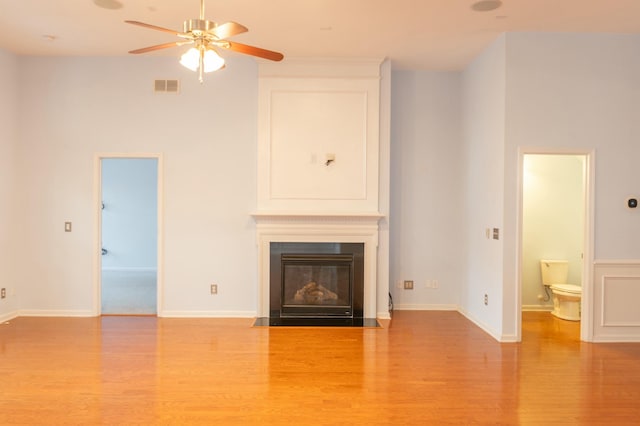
{"points": [[166, 86]]}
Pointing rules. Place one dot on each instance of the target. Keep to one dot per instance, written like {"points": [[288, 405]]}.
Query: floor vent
{"points": [[168, 86]]}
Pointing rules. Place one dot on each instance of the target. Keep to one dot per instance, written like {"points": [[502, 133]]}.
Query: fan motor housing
{"points": [[198, 26]]}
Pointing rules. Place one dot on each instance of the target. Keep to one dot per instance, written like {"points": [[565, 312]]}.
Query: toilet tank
{"points": [[554, 271]]}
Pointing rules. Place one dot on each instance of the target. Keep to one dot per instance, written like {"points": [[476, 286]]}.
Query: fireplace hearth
{"points": [[316, 284]]}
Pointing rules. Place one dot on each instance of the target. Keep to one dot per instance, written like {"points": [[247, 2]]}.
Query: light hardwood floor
{"points": [[421, 368]]}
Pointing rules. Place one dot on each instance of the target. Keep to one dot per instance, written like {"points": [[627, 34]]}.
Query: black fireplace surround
{"points": [[316, 284]]}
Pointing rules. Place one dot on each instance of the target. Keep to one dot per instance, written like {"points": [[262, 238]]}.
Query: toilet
{"points": [[566, 297]]}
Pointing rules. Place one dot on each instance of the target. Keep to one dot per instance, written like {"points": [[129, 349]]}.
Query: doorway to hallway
{"points": [[129, 236]]}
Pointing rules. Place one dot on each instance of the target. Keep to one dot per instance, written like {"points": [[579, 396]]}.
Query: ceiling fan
{"points": [[206, 36]]}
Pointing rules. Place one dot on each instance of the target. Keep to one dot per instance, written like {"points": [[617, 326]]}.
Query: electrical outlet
{"points": [[486, 300], [408, 285], [3, 293], [214, 288], [431, 284]]}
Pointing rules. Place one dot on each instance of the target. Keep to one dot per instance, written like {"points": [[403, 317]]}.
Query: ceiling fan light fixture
{"points": [[191, 59], [206, 36], [212, 61]]}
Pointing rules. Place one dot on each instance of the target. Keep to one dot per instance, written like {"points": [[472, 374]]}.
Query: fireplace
{"points": [[341, 233], [323, 178], [316, 283]]}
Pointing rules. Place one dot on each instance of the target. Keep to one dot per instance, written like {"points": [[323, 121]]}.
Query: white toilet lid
{"points": [[568, 288]]}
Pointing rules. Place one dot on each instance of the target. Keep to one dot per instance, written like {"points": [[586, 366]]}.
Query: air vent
{"points": [[167, 86]]}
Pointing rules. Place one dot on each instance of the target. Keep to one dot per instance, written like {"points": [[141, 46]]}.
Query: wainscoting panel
{"points": [[616, 296], [620, 296]]}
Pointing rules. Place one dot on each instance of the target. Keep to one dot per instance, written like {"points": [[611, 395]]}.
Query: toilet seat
{"points": [[568, 288]]}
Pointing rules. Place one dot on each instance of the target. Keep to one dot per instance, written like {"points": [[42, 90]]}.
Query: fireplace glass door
{"points": [[316, 281], [317, 284]]}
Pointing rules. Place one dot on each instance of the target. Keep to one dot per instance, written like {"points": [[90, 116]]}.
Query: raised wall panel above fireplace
{"points": [[318, 148]]}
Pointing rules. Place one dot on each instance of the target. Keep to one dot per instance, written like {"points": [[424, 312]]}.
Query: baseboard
{"points": [[482, 325], [537, 308], [616, 339], [424, 307], [48, 313], [384, 315], [129, 269], [207, 314], [9, 316]]}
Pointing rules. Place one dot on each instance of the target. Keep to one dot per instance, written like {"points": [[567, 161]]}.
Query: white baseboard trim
{"points": [[9, 316], [48, 313], [424, 307], [383, 315], [616, 339], [537, 308], [507, 338], [129, 269], [480, 324], [207, 314]]}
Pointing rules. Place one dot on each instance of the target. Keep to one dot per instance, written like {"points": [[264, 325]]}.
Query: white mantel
{"points": [[295, 227], [318, 161]]}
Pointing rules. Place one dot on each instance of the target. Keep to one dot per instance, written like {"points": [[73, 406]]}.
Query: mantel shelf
{"points": [[297, 215]]}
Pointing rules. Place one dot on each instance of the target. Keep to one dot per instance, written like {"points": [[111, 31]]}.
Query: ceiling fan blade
{"points": [[153, 27], [254, 51], [159, 46], [228, 29]]}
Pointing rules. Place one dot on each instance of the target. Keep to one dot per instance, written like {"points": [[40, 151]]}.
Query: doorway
{"points": [[128, 273], [555, 223]]}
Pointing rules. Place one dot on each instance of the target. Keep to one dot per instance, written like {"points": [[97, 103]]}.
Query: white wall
{"points": [[427, 217], [72, 108], [580, 92], [129, 216], [9, 227], [484, 142], [553, 221]]}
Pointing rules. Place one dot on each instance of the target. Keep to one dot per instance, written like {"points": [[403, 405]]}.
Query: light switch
{"points": [[67, 227]]}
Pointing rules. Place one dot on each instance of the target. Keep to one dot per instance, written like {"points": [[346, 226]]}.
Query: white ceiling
{"points": [[414, 34]]}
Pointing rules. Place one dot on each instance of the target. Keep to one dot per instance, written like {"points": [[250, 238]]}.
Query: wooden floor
{"points": [[421, 368]]}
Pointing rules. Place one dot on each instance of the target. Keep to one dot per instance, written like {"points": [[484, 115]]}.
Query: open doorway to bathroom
{"points": [[554, 223], [128, 271]]}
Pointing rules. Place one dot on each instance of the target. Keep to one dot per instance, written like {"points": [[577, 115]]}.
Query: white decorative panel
{"points": [[620, 296], [616, 315], [318, 145], [318, 140]]}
